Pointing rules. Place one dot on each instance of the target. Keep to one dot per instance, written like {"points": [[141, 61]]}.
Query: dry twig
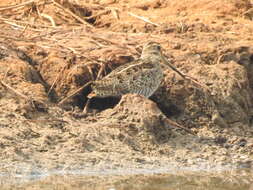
{"points": [[46, 120], [15, 91], [219, 58], [23, 31], [101, 70], [56, 79], [27, 23], [143, 19], [72, 14], [75, 92], [17, 6], [6, 73], [15, 39], [46, 16], [99, 14], [14, 23], [176, 125]]}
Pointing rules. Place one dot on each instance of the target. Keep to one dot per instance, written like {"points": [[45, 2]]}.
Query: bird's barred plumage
{"points": [[142, 76]]}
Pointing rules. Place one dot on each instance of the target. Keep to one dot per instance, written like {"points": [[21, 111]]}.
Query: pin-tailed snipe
{"points": [[142, 76]]}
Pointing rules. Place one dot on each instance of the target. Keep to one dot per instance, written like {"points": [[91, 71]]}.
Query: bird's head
{"points": [[151, 48]]}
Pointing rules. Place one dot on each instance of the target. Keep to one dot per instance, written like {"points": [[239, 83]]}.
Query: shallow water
{"points": [[141, 179]]}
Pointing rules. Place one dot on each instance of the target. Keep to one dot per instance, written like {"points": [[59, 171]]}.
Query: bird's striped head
{"points": [[151, 48]]}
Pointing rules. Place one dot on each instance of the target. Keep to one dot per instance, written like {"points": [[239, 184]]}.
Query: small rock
{"points": [[242, 142], [244, 164]]}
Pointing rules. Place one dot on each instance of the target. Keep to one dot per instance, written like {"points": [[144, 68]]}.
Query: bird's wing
{"points": [[121, 67], [122, 79], [129, 69]]}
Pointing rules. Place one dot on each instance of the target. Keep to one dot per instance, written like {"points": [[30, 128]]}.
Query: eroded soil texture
{"points": [[50, 49]]}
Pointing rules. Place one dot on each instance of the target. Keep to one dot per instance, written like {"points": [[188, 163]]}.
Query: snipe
{"points": [[142, 76]]}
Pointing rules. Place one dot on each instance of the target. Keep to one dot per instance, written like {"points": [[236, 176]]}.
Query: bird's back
{"points": [[142, 76]]}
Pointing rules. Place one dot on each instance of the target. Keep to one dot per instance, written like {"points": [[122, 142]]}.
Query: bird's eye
{"points": [[159, 48]]}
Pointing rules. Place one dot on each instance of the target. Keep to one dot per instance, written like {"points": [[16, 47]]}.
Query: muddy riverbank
{"points": [[46, 54]]}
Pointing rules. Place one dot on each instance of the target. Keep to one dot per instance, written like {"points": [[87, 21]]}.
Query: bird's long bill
{"points": [[167, 63]]}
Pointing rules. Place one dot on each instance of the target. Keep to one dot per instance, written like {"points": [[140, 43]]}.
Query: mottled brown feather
{"points": [[142, 76]]}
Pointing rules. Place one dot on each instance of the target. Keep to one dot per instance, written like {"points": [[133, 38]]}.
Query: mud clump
{"points": [[142, 116]]}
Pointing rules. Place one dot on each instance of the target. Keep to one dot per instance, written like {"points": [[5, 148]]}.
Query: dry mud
{"points": [[39, 66]]}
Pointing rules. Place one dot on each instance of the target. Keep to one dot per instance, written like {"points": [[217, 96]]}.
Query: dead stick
{"points": [[6, 73], [73, 14], [75, 92], [46, 120], [99, 14], [16, 92], [46, 16], [142, 18], [16, 6], [95, 37], [176, 125], [28, 23], [16, 39], [102, 68], [56, 79]]}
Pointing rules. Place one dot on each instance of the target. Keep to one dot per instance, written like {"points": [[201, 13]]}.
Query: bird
{"points": [[142, 76]]}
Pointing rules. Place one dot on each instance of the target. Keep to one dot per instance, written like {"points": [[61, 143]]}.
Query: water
{"points": [[141, 179]]}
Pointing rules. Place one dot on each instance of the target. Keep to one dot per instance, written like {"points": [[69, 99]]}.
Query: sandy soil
{"points": [[46, 54]]}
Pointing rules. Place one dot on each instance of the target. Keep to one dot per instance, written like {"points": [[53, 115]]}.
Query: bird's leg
{"points": [[86, 107], [75, 92]]}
